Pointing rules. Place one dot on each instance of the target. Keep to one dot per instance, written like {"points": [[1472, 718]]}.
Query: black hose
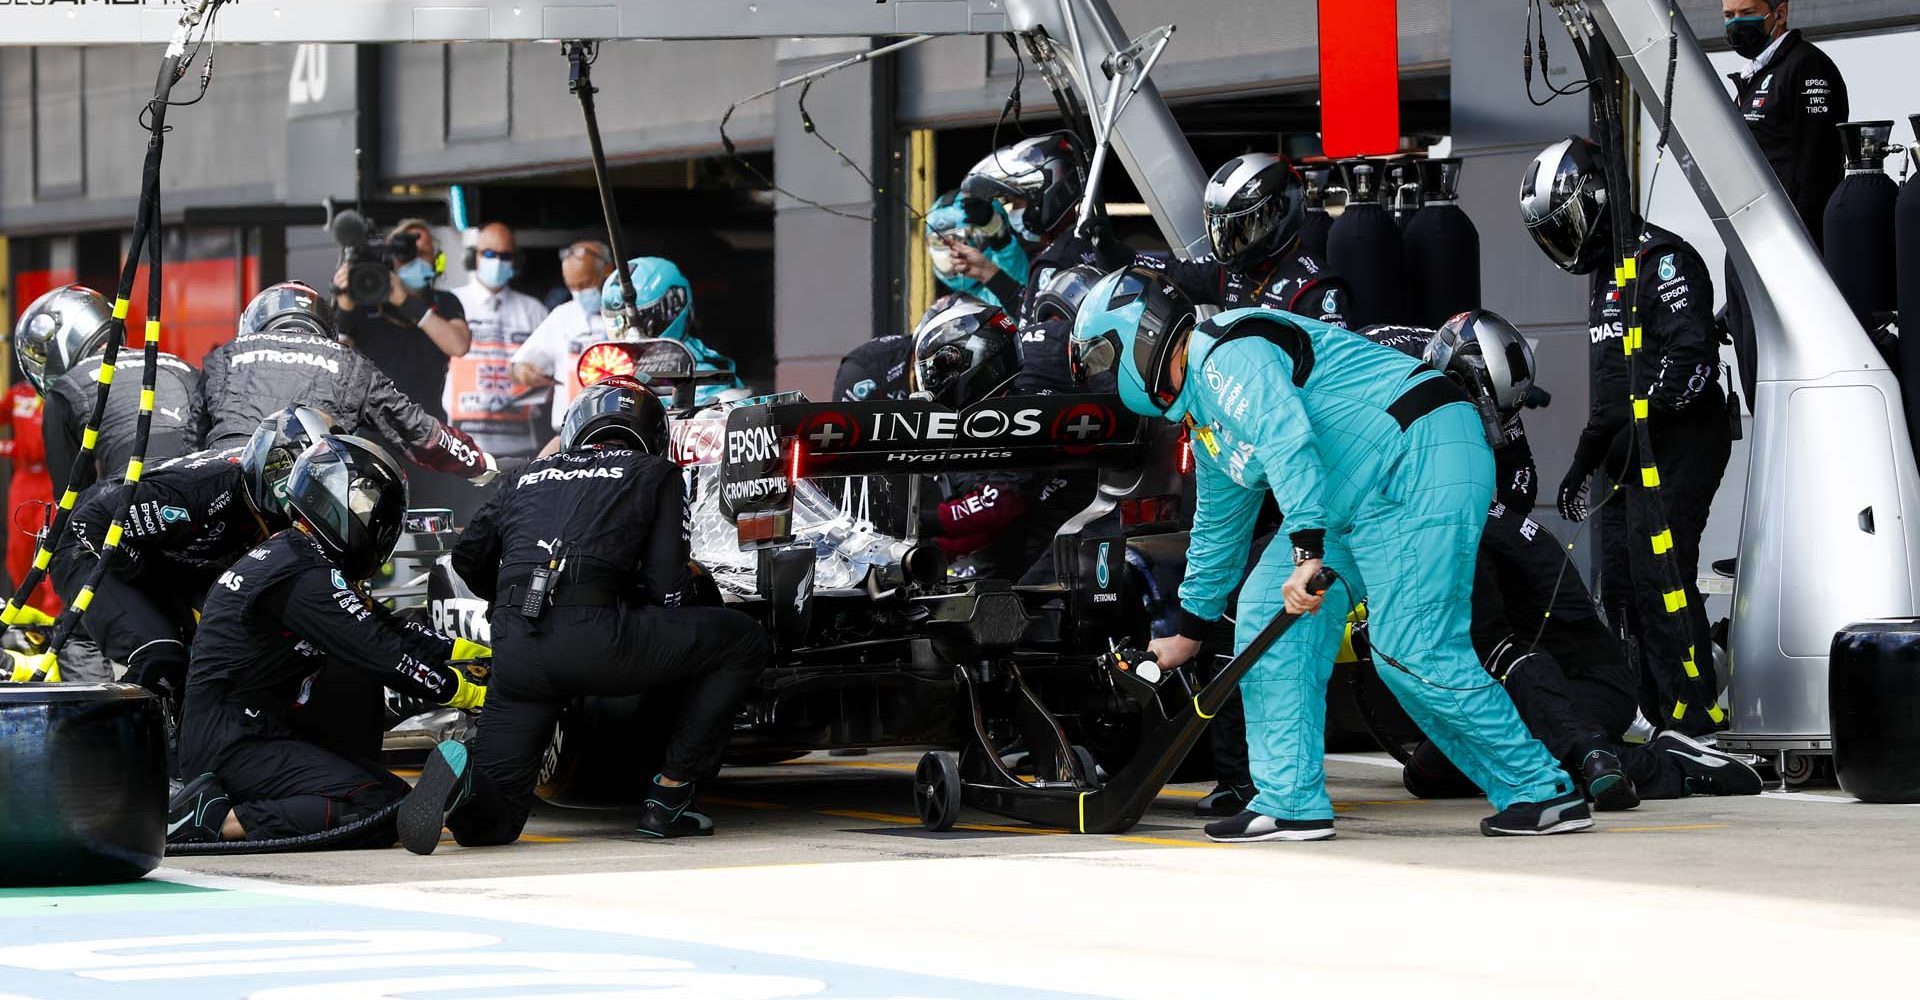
{"points": [[321, 841]]}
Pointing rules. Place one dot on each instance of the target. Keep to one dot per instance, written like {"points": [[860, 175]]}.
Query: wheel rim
{"points": [[932, 793]]}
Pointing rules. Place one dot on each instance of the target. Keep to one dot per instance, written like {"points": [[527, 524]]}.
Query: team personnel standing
{"points": [[551, 356], [61, 338], [1673, 371], [1382, 472], [411, 335], [481, 398], [1791, 95], [285, 355], [279, 615], [583, 556]]}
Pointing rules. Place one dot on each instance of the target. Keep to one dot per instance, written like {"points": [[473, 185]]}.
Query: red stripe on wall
{"points": [[1359, 77]]}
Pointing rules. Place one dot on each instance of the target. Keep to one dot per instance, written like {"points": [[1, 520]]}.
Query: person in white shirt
{"points": [[552, 355], [481, 397]]}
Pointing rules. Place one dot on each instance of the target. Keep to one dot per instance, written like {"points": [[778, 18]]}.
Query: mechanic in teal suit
{"points": [[1381, 469]]}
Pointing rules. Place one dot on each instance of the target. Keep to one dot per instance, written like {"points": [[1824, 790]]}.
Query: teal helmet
{"points": [[662, 294], [1127, 329], [982, 224]]}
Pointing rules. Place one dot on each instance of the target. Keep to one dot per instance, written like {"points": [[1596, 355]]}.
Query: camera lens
{"points": [[368, 282]]}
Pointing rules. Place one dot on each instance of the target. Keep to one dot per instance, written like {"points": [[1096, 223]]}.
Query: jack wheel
{"points": [[1800, 770], [1089, 770], [936, 791]]}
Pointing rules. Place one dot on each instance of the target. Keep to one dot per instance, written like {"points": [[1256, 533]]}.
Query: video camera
{"points": [[369, 259]]}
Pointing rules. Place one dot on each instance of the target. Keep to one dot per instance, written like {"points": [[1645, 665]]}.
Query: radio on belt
{"points": [[542, 583]]}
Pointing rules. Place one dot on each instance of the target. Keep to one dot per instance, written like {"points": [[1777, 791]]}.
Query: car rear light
{"points": [[793, 463], [602, 362], [1186, 453], [1149, 510]]}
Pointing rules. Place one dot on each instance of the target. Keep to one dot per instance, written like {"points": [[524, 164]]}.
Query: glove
{"points": [[33, 667], [464, 650], [492, 471], [469, 696], [1573, 494]]}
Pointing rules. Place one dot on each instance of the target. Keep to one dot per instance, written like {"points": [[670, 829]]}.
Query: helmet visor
{"points": [[1235, 234], [1096, 358], [1064, 291], [658, 316], [1559, 212], [359, 511]]}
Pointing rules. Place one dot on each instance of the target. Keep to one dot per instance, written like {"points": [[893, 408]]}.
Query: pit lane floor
{"points": [[820, 884]]}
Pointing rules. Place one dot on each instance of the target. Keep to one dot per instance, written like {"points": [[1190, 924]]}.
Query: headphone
{"points": [[439, 255]]}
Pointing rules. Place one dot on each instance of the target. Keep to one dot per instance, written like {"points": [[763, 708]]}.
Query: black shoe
{"points": [[196, 812], [1708, 771], [1565, 814], [1226, 799], [445, 781], [1250, 827], [669, 812], [1606, 781]]}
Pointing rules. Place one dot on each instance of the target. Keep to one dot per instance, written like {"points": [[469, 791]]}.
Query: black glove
{"points": [[1573, 494]]}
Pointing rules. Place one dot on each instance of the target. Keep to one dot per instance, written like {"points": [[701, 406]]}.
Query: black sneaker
{"points": [[1708, 771], [669, 812], [1565, 814], [196, 812], [445, 781], [1606, 781], [1250, 827], [1225, 800]]}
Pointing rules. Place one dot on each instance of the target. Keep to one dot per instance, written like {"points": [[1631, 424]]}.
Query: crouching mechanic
{"points": [[583, 556], [276, 618], [1382, 472]]}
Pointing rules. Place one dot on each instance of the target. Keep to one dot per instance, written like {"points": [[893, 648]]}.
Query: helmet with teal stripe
{"points": [[662, 295], [1128, 327]]}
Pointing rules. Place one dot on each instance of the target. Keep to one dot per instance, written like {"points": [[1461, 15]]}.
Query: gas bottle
{"points": [[1441, 248], [1364, 247], [1321, 182], [1400, 193], [1859, 223], [1906, 238]]}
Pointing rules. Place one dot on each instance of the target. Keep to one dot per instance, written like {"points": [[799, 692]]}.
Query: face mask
{"points": [[495, 272], [588, 299], [1018, 220], [416, 274], [1748, 35]]}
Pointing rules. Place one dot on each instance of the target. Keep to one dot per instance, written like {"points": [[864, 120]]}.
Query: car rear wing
{"points": [[770, 447]]}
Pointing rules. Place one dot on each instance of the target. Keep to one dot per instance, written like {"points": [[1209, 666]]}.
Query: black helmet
{"points": [[289, 305], [1485, 354], [353, 498], [616, 409], [1048, 172], [57, 330], [268, 457], [1060, 296], [964, 352], [1563, 202], [1254, 208]]}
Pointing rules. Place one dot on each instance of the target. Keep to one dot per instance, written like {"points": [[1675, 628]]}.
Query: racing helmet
{"points": [[1048, 172], [352, 497], [1563, 203], [964, 352], [1127, 328], [1485, 354], [981, 224], [1254, 207], [620, 408], [1060, 296], [662, 295], [58, 330], [290, 305], [267, 459]]}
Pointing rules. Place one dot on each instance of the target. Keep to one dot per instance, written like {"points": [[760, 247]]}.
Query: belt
{"points": [[1423, 398], [570, 594]]}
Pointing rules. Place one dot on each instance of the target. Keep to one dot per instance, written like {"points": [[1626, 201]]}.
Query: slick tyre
{"points": [[83, 789]]}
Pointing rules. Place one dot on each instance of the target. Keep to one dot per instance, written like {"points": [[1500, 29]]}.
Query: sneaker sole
{"points": [[1564, 826], [424, 814], [1706, 746], [1290, 835]]}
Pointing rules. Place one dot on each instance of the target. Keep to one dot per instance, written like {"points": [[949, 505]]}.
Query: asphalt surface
{"points": [[820, 882]]}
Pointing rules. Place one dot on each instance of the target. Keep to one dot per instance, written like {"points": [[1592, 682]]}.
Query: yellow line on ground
{"points": [[1663, 829], [526, 838], [407, 772], [873, 765], [914, 821], [1183, 793], [715, 800], [1170, 842]]}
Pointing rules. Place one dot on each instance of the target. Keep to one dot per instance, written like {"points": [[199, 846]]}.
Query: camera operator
{"points": [[411, 335]]}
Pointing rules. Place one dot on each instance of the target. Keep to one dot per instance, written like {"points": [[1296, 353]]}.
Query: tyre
{"points": [[84, 798]]}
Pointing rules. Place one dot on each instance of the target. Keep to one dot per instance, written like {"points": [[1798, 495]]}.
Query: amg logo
{"points": [[287, 358], [938, 425], [754, 444]]}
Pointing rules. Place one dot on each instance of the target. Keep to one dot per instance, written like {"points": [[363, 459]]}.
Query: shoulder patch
{"points": [[1668, 268]]}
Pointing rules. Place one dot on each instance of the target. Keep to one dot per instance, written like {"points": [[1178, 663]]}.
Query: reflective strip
{"points": [[85, 598], [1692, 670], [42, 559], [146, 401], [106, 373], [134, 467], [1632, 268], [1638, 336], [1081, 827], [1676, 600], [12, 612], [1649, 476], [1619, 275], [113, 536], [1197, 710], [120, 307], [1714, 713], [153, 331], [1639, 408], [1679, 710], [67, 499], [1663, 542], [1626, 346], [89, 438]]}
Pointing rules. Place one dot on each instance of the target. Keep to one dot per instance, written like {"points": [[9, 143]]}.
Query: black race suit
{"points": [[257, 374], [1516, 478], [1292, 282], [272, 622], [175, 430], [1676, 369], [185, 522], [613, 627]]}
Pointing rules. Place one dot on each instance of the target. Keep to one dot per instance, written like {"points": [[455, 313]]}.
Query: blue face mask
{"points": [[588, 299], [416, 273], [495, 272]]}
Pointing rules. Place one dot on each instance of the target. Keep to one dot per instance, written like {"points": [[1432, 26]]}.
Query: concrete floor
{"points": [[821, 883]]}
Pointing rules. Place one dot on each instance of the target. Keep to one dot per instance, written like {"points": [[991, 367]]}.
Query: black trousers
{"points": [[145, 622], [575, 652], [1692, 449], [285, 775]]}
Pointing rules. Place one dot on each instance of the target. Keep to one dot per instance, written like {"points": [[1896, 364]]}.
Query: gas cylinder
{"points": [[1441, 248], [1321, 182], [1859, 223], [1906, 255], [1364, 247], [1400, 192]]}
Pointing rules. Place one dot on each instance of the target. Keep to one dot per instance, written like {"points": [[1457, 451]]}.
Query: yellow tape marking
{"points": [[67, 499], [1649, 476], [1632, 267], [42, 559], [134, 468], [113, 536], [153, 337], [1714, 713], [89, 438], [85, 598], [120, 307], [1639, 409], [1679, 710], [1663, 542], [1676, 600], [146, 401], [106, 373], [12, 612]]}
